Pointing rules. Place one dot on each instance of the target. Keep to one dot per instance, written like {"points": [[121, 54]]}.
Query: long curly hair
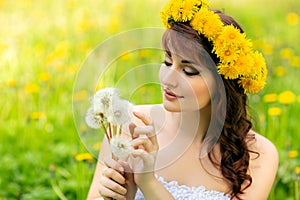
{"points": [[234, 151]]}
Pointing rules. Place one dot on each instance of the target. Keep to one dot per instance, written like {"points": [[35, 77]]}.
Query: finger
{"points": [[114, 175], [144, 118], [144, 130], [107, 193], [132, 127], [144, 142], [113, 164], [112, 185], [148, 131]]}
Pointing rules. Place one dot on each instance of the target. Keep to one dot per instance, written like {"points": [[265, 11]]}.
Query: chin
{"points": [[171, 107]]}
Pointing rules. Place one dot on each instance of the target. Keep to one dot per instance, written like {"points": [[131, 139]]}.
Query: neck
{"points": [[191, 124]]}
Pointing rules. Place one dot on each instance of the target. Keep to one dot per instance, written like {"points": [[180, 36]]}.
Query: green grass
{"points": [[43, 44]]}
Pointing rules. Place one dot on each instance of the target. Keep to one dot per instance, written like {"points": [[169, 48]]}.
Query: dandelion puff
{"points": [[120, 147], [102, 100], [120, 113], [92, 119]]}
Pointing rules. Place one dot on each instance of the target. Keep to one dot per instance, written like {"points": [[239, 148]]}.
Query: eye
{"points": [[190, 72], [167, 63]]}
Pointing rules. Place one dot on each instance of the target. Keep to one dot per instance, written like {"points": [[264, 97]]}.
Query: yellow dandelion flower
{"points": [[293, 154], [199, 19], [44, 76], [250, 85], [227, 54], [80, 95], [228, 71], [245, 65], [188, 10], [295, 61], [84, 156], [280, 71], [270, 98], [37, 115], [32, 88], [297, 170], [286, 97], [245, 45], [260, 65], [176, 11], [230, 33], [97, 146], [274, 111], [267, 49], [292, 19], [286, 53], [126, 56], [212, 27], [12, 83]]}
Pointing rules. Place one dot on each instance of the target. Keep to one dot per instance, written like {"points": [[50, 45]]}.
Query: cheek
{"points": [[162, 72]]}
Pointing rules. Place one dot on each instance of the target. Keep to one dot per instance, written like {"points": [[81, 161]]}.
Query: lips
{"points": [[171, 95]]}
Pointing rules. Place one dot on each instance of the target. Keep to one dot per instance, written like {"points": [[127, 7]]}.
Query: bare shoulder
{"points": [[264, 147], [263, 166]]}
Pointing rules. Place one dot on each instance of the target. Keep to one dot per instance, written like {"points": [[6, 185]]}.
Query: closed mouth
{"points": [[172, 94]]}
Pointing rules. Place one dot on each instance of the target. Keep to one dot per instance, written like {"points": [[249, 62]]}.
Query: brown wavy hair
{"points": [[234, 151]]}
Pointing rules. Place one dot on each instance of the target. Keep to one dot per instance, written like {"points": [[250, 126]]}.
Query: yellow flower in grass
{"points": [[44, 76], [286, 53], [292, 19], [84, 156], [295, 61], [274, 111], [37, 115], [286, 97], [32, 88], [280, 71], [297, 170], [267, 49], [270, 98], [12, 83], [293, 154], [299, 98]]}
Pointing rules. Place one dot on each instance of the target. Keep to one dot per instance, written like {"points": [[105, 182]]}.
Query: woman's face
{"points": [[186, 85]]}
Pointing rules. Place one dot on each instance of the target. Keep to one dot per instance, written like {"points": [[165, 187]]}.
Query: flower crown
{"points": [[238, 60]]}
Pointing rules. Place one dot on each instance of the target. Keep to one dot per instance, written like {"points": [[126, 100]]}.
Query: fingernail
{"points": [[121, 169]]}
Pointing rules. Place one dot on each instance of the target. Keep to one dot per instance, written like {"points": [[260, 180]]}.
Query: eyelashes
{"points": [[188, 73]]}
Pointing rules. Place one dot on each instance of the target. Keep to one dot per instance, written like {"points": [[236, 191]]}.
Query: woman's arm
{"points": [[262, 169]]}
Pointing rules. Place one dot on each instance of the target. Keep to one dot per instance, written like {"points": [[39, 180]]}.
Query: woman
{"points": [[199, 143]]}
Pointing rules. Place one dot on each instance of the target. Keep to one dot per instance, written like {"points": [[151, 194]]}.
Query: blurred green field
{"points": [[43, 44]]}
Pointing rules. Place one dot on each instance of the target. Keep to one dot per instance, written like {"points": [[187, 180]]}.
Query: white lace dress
{"points": [[183, 192]]}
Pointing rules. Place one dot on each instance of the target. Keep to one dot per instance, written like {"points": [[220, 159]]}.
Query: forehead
{"points": [[187, 48]]}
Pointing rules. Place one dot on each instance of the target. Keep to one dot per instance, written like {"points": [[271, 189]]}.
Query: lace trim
{"points": [[183, 192]]}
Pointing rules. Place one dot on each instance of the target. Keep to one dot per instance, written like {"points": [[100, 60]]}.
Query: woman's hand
{"points": [[145, 150], [116, 181]]}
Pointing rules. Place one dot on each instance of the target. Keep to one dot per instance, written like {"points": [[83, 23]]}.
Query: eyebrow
{"points": [[187, 62], [183, 61]]}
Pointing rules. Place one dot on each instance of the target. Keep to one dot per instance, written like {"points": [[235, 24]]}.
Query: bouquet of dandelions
{"points": [[110, 113]]}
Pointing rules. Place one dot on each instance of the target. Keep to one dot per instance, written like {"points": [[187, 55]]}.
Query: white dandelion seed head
{"points": [[102, 100], [120, 146], [120, 113], [92, 119]]}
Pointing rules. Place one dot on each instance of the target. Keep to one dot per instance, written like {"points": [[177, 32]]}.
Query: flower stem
{"points": [[105, 130]]}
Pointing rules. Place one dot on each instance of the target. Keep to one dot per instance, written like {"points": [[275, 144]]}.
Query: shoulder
{"points": [[263, 166], [264, 147]]}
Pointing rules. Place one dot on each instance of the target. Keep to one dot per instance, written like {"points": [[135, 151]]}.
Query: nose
{"points": [[169, 77]]}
